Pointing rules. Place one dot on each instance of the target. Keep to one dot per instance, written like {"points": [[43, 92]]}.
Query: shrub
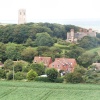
{"points": [[31, 75], [74, 77], [9, 76], [42, 79], [20, 76], [2, 73], [39, 68], [59, 80], [52, 74], [18, 67]]}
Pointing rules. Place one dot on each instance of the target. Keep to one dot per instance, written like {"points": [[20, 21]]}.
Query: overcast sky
{"points": [[53, 11]]}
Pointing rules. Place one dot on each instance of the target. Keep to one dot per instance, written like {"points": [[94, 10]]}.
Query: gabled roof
{"points": [[45, 60], [64, 64]]}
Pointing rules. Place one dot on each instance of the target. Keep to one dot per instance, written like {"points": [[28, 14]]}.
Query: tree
{"points": [[8, 64], [86, 59], [74, 77], [52, 74], [2, 52], [31, 74], [2, 73], [28, 54], [88, 42], [13, 51], [75, 53], [18, 67], [44, 39], [39, 68]]}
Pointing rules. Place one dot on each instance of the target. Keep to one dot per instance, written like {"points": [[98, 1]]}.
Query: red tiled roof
{"points": [[66, 64], [45, 60]]}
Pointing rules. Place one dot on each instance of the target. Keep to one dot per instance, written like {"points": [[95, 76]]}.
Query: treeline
{"points": [[20, 33]]}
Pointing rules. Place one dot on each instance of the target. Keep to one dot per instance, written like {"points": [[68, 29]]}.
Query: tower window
{"points": [[20, 13]]}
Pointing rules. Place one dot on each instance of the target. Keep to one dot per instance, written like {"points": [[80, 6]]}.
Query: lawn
{"points": [[95, 50], [14, 90]]}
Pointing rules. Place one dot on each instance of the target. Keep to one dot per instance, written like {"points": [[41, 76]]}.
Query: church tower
{"points": [[21, 16]]}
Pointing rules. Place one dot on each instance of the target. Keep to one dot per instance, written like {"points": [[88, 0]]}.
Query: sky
{"points": [[85, 13]]}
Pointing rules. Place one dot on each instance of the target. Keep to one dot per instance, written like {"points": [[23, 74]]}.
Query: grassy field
{"points": [[95, 50], [10, 90]]}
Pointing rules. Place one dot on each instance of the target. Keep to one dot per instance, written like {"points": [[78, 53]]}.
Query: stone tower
{"points": [[21, 16]]}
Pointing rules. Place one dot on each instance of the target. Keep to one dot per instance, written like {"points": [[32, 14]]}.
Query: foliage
{"points": [[59, 80], [88, 42], [85, 59], [44, 39], [8, 64], [39, 68], [74, 77], [20, 76], [61, 41], [52, 74], [31, 75], [92, 75], [2, 52], [42, 79], [18, 67], [2, 73], [28, 54], [13, 51], [74, 53], [9, 75]]}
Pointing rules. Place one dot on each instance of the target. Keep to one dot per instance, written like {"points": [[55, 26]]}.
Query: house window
{"points": [[52, 65], [58, 66], [35, 61]]}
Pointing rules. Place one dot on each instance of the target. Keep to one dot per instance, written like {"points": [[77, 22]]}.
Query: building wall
{"points": [[73, 37], [22, 16]]}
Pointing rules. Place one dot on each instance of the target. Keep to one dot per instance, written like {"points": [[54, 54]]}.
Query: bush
{"points": [[59, 80], [42, 79], [9, 76], [74, 78], [2, 73], [52, 74], [31, 75], [18, 67], [20, 76], [39, 68]]}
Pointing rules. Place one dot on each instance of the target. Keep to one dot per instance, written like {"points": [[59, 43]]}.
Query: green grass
{"points": [[94, 50], [13, 90]]}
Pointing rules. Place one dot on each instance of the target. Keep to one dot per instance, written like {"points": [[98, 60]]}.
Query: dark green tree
{"points": [[44, 39], [52, 74], [39, 68]]}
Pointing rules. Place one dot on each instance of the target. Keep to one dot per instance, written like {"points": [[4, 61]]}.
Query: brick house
{"points": [[65, 64], [1, 65], [45, 60]]}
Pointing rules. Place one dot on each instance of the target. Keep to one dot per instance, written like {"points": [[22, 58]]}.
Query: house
{"points": [[97, 66], [65, 64], [1, 65], [45, 60]]}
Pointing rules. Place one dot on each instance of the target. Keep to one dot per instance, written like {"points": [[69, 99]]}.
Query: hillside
{"points": [[94, 50]]}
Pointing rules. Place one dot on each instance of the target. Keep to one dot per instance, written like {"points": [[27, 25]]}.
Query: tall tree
{"points": [[44, 39]]}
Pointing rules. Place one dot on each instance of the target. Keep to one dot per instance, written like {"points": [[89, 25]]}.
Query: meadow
{"points": [[94, 50], [14, 90]]}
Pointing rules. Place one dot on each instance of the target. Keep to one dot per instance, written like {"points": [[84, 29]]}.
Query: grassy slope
{"points": [[47, 91], [95, 50]]}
